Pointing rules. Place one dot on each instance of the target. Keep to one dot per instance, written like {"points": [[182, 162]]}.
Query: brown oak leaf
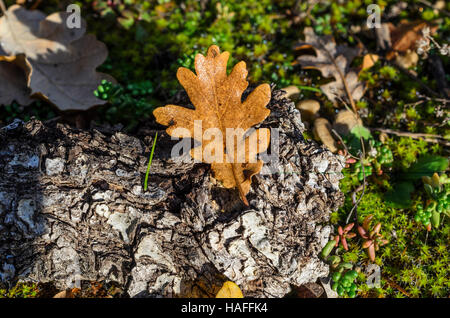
{"points": [[217, 98], [14, 88], [60, 62], [332, 61], [406, 34]]}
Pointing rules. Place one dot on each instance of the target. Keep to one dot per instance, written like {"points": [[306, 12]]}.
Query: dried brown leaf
{"points": [[345, 121], [230, 290], [405, 36], [216, 97], [60, 62], [65, 294], [322, 131], [332, 61], [14, 88], [369, 60]]}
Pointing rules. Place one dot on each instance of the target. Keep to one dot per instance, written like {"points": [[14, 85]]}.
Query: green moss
{"points": [[21, 290]]}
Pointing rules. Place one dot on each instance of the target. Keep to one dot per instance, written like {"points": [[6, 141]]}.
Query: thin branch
{"points": [[343, 143], [355, 204], [396, 286], [3, 6], [426, 137]]}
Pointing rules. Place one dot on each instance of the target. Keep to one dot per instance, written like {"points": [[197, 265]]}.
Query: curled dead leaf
{"points": [[292, 92], [369, 60], [309, 109], [322, 131], [407, 60], [345, 121], [65, 294], [406, 34]]}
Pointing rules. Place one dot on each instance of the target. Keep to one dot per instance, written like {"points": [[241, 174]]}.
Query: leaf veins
{"points": [[332, 61], [217, 98]]}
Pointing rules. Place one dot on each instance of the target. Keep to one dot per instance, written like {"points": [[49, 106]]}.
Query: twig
{"points": [[355, 204], [426, 137], [3, 6], [407, 134], [343, 144], [396, 286]]}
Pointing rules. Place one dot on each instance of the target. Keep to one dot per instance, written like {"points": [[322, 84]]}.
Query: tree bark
{"points": [[73, 209]]}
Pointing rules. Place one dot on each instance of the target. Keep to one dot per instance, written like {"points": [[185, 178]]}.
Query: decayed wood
{"points": [[72, 207]]}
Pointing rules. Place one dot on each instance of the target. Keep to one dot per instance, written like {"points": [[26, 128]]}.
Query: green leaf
{"points": [[361, 131], [400, 196], [353, 140], [426, 166], [327, 249]]}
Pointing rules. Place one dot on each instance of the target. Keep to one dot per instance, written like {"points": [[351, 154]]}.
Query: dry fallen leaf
{"points": [[65, 294], [345, 121], [405, 36], [309, 109], [407, 60], [217, 101], [322, 131], [230, 290], [60, 62], [332, 61], [14, 88], [369, 60], [292, 92]]}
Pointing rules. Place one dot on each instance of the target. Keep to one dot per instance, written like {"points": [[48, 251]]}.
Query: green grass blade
{"points": [[150, 162], [308, 88]]}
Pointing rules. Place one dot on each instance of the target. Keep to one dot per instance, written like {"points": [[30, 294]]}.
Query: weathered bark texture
{"points": [[72, 207]]}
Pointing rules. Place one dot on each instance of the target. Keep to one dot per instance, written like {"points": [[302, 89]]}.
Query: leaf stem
{"points": [[149, 162]]}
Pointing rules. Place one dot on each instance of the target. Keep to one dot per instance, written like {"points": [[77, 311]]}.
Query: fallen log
{"points": [[73, 209]]}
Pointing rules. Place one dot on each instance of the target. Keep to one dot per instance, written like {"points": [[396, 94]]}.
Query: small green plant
{"points": [[424, 217], [21, 290], [438, 190], [150, 162], [123, 99], [344, 282]]}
